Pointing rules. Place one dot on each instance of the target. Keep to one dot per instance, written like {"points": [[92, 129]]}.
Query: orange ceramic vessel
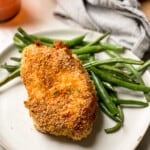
{"points": [[8, 9]]}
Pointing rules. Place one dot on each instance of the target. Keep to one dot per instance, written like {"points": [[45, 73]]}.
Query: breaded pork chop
{"points": [[62, 99]]}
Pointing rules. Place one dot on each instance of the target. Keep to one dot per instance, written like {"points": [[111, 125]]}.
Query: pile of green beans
{"points": [[106, 74]]}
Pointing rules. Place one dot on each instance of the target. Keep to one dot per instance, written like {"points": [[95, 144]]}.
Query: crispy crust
{"points": [[62, 98]]}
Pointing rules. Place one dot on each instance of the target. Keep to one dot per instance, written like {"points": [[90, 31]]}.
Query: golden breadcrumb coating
{"points": [[62, 98]]}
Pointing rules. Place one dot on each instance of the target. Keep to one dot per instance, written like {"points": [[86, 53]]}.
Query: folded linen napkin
{"points": [[123, 18]]}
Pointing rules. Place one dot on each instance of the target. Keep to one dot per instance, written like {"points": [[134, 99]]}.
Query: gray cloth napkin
{"points": [[123, 18]]}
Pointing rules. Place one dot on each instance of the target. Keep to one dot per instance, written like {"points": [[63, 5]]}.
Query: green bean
{"points": [[121, 115], [15, 59], [25, 41], [119, 66], [135, 73], [75, 41], [144, 66], [26, 35], [83, 56], [112, 60], [108, 86], [18, 42], [118, 125], [140, 80], [131, 102], [127, 79], [47, 44], [78, 46], [9, 68], [98, 39], [127, 101], [11, 76], [84, 61], [114, 128], [20, 50], [111, 53], [108, 113], [44, 39], [103, 94], [81, 45], [86, 50], [114, 70], [109, 78], [109, 46], [70, 43], [114, 97]]}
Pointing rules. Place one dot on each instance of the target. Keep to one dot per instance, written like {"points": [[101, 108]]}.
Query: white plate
{"points": [[17, 131]]}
